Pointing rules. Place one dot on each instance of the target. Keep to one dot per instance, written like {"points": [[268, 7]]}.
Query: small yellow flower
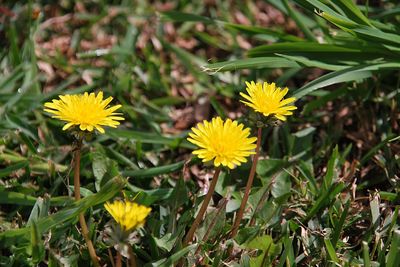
{"points": [[268, 99], [225, 142], [129, 215], [86, 110]]}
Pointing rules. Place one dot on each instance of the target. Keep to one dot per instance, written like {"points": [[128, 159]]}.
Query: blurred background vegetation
{"points": [[326, 191]]}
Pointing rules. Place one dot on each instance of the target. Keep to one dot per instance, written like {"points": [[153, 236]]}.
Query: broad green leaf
{"points": [[213, 224], [268, 167], [179, 195], [246, 234], [281, 184], [268, 248], [260, 242], [10, 237], [100, 167], [166, 242], [148, 197], [269, 213], [84, 191], [177, 199], [39, 210], [168, 262], [103, 167]]}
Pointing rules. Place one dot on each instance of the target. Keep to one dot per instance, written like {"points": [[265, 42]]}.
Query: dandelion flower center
{"points": [[86, 110], [226, 143], [268, 99], [129, 215]]}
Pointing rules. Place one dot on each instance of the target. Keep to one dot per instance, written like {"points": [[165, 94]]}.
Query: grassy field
{"points": [[327, 181]]}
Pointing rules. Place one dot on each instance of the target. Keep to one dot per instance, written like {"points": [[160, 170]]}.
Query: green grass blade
{"points": [[17, 198], [287, 255], [252, 30], [323, 199], [367, 260], [10, 169], [376, 148], [28, 142], [151, 172], [319, 6], [294, 15], [375, 212], [177, 16], [331, 251], [353, 12], [331, 168], [345, 75], [308, 62], [393, 259], [251, 63], [150, 138], [376, 35], [314, 48], [36, 245], [339, 226]]}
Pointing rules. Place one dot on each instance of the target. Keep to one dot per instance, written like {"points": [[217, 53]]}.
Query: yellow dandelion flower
{"points": [[225, 142], [86, 110], [268, 99], [129, 215]]}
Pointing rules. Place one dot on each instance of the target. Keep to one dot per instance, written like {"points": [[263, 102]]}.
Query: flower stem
{"points": [[77, 190], [110, 255], [132, 257], [203, 208], [221, 206], [240, 213], [119, 260]]}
